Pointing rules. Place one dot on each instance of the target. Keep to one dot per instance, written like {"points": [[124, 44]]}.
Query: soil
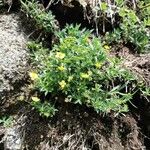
{"points": [[74, 127], [139, 64]]}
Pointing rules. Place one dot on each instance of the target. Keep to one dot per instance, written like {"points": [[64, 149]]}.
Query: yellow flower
{"points": [[90, 73], [62, 84], [106, 47], [84, 75], [21, 97], [33, 75], [98, 65], [60, 55], [70, 78], [61, 68], [35, 99]]}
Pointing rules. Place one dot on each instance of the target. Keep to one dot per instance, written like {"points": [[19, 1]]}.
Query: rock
{"points": [[13, 53], [14, 135]]}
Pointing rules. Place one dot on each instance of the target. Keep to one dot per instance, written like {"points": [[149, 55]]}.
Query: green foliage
{"points": [[39, 54], [44, 20], [135, 31], [132, 30], [80, 68], [6, 121], [45, 109], [133, 19]]}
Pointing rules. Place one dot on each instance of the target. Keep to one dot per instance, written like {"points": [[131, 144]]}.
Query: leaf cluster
{"points": [[81, 69], [131, 30], [44, 20], [6, 121], [45, 109], [130, 22]]}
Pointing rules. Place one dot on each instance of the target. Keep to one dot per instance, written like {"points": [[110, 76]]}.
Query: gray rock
{"points": [[14, 135], [13, 53]]}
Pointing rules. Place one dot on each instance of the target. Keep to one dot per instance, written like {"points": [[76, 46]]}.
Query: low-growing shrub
{"points": [[6, 121], [44, 20], [81, 69], [132, 28], [44, 108]]}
